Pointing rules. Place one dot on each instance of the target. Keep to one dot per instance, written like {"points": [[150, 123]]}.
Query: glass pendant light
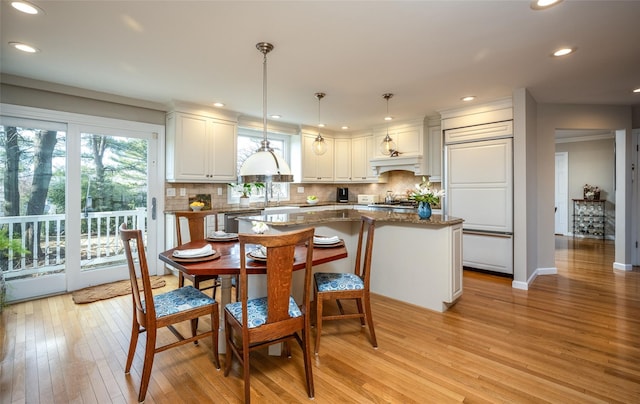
{"points": [[319, 146], [387, 146], [264, 165]]}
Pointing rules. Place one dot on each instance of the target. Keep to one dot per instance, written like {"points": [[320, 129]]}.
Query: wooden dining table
{"points": [[228, 263]]}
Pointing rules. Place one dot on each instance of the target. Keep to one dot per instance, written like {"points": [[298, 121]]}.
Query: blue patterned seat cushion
{"points": [[178, 300], [257, 311], [329, 282]]}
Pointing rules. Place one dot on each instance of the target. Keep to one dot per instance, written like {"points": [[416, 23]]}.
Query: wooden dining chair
{"points": [[151, 313], [258, 322], [196, 221], [343, 286]]}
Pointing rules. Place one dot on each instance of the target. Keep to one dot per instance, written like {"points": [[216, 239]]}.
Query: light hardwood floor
{"points": [[571, 338]]}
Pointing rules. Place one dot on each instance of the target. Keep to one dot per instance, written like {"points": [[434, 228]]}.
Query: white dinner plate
{"points": [[225, 237]]}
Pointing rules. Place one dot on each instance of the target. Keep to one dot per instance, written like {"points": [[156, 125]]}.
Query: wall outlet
{"points": [[219, 191], [171, 192], [301, 190], [183, 191]]}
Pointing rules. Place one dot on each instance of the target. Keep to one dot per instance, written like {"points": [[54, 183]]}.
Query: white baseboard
{"points": [[622, 267], [534, 275]]}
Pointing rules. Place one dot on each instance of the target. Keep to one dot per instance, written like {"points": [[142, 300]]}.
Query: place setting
{"points": [[205, 253], [222, 236], [258, 254], [327, 242]]}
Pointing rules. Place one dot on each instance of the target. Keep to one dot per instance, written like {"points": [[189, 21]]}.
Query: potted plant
{"points": [[7, 245], [245, 191]]}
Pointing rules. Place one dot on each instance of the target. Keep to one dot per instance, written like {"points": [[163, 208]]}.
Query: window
{"points": [[249, 140]]}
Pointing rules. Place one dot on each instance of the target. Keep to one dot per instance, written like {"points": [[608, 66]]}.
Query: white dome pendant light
{"points": [[388, 146], [319, 146], [264, 165]]}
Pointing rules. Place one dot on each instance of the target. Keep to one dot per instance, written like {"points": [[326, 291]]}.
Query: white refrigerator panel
{"points": [[480, 184], [488, 252]]}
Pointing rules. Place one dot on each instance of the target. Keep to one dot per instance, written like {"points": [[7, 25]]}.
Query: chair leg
{"points": [[245, 371], [149, 353], [133, 341], [215, 328], [180, 279], [227, 338], [362, 313], [194, 329], [367, 307], [318, 322], [306, 335]]}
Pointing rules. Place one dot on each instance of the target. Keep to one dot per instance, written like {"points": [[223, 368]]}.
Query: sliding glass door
{"points": [[68, 184]]}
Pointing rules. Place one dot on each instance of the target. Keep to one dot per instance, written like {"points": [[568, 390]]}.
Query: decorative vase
{"points": [[424, 210]]}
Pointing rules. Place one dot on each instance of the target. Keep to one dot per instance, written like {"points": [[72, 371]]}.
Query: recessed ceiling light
{"points": [[218, 104], [321, 125], [468, 98], [388, 118], [543, 4], [26, 7], [24, 47], [345, 127], [276, 116], [637, 90], [564, 51]]}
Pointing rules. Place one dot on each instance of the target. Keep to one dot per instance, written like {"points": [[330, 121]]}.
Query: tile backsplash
{"points": [[398, 182]]}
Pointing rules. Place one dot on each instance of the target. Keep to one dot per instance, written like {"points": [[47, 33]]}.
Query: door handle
{"points": [[153, 208]]}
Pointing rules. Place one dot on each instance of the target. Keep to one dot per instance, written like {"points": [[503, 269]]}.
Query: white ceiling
{"points": [[428, 53]]}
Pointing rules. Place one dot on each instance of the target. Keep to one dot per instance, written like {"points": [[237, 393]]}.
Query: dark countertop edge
{"points": [[344, 215]]}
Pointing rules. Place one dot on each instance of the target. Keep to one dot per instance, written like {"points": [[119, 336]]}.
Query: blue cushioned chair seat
{"points": [[257, 311], [175, 301], [328, 282]]}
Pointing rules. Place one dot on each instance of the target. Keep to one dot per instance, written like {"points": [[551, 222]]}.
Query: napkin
{"points": [[194, 252], [260, 252], [219, 233], [326, 240]]}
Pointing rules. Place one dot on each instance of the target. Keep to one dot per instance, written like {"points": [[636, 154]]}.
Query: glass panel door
{"points": [[116, 183], [32, 206]]}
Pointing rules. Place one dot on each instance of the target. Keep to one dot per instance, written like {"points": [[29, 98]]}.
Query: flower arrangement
{"points": [[259, 227], [197, 204], [591, 191], [424, 193]]}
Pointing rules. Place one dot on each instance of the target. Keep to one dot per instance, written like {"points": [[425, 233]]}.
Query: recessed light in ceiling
{"points": [[637, 90], [563, 52], [276, 116], [218, 104], [345, 127], [26, 7], [388, 118], [468, 98], [24, 47], [543, 4], [321, 125]]}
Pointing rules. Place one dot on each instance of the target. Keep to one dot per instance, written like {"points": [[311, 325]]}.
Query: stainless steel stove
{"points": [[401, 206]]}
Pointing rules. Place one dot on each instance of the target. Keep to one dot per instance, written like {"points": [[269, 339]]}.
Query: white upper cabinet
{"points": [[352, 157], [317, 168], [200, 148], [409, 139], [343, 160]]}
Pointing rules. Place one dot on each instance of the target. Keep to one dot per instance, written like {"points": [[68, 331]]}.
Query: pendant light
{"points": [[264, 165], [319, 146], [387, 146]]}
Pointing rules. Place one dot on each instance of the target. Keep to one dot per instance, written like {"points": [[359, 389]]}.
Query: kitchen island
{"points": [[415, 261]]}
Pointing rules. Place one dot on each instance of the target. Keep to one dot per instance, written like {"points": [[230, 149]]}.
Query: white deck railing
{"points": [[99, 239]]}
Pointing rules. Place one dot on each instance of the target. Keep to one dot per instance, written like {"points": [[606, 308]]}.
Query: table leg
{"points": [[225, 298]]}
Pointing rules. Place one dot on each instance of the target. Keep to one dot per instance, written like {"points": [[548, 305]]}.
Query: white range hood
{"points": [[416, 164]]}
